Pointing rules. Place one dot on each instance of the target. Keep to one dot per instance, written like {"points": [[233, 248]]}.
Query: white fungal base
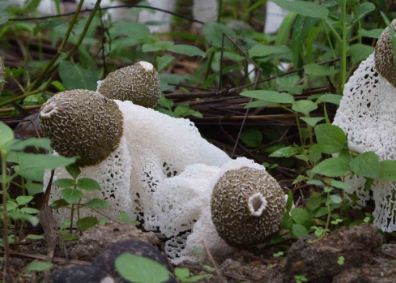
{"points": [[367, 115], [257, 204]]}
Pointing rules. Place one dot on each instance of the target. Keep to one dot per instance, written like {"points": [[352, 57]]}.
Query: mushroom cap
{"points": [[247, 206], [384, 60], [1, 74], [82, 123], [138, 83]]}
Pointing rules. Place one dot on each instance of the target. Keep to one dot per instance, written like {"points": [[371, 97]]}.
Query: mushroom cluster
{"points": [[159, 169], [367, 115]]}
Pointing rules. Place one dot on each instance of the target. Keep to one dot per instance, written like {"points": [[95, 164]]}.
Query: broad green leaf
{"points": [[299, 231], [22, 200], [88, 184], [252, 137], [38, 266], [360, 52], [97, 203], [362, 10], [164, 61], [304, 106], [285, 152], [72, 196], [6, 135], [64, 183], [44, 143], [188, 50], [332, 167], [33, 188], [141, 269], [312, 121], [31, 160], [73, 170], [300, 215], [86, 223], [304, 8], [329, 98], [157, 46], [317, 70], [330, 138], [269, 96], [260, 50], [388, 170], [373, 33], [366, 164], [336, 199], [213, 33], [137, 31], [340, 185], [73, 76]]}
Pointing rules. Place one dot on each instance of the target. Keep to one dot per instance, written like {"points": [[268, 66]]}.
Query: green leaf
{"points": [[340, 185], [137, 31], [164, 61], [86, 223], [140, 269], [22, 200], [33, 188], [285, 152], [359, 52], [64, 183], [388, 170], [304, 106], [332, 167], [38, 266], [299, 231], [73, 170], [373, 33], [213, 33], [329, 98], [157, 46], [97, 203], [260, 50], [44, 143], [330, 138], [362, 10], [317, 70], [269, 96], [252, 137], [336, 199], [72, 196], [312, 121], [366, 164], [73, 76], [304, 8], [188, 50], [88, 184], [6, 135], [300, 215]]}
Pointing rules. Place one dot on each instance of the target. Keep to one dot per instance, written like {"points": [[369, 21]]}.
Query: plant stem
{"points": [[344, 46], [60, 48], [5, 215]]}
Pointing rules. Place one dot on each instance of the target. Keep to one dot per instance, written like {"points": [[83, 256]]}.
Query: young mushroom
{"points": [[367, 115], [138, 83], [247, 206]]}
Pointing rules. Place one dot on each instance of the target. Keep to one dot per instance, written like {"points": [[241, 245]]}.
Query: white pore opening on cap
{"points": [[48, 109], [257, 203], [146, 65]]}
